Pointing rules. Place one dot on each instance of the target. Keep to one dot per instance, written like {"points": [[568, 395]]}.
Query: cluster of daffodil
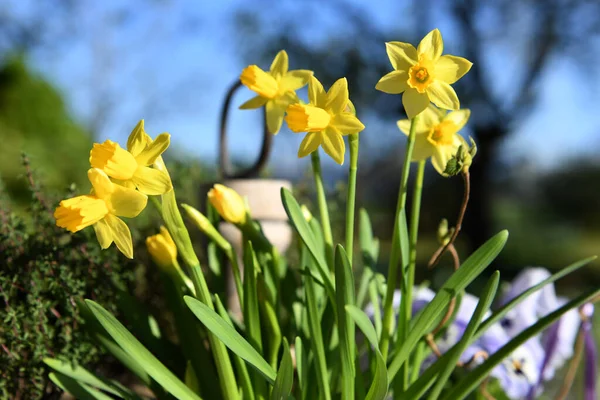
{"points": [[121, 182]]}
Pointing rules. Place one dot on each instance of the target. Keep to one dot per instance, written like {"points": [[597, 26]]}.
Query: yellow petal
{"points": [[120, 234], [442, 154], [310, 143], [275, 113], [103, 233], [337, 96], [228, 203], [154, 150], [80, 212], [279, 66], [402, 55], [101, 183], [127, 202], [459, 117], [316, 93], [414, 102], [404, 126], [259, 81], [295, 79], [333, 144], [432, 45], [451, 68], [118, 163], [151, 181], [138, 139], [306, 118], [429, 118], [423, 148], [350, 108], [443, 95], [393, 83], [347, 123], [255, 102]]}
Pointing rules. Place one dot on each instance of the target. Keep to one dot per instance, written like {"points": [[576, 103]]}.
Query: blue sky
{"points": [[172, 62]]}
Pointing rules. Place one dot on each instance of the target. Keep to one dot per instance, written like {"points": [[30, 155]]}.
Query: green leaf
{"points": [[369, 245], [316, 338], [285, 375], [251, 313], [363, 286], [79, 390], [82, 375], [136, 350], [470, 381], [344, 283], [379, 386], [292, 208], [230, 337], [301, 366], [485, 300], [459, 280]]}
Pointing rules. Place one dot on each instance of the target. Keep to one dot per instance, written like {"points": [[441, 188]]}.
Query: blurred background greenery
{"points": [[72, 73]]}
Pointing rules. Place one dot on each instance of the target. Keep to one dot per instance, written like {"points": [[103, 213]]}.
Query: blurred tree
{"points": [[511, 43]]}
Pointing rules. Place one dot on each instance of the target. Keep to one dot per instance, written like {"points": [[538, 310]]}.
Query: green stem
{"points": [[237, 278], [322, 200], [406, 303], [351, 199], [388, 312]]}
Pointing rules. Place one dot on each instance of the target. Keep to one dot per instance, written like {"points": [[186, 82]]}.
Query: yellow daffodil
{"points": [[423, 74], [326, 119], [228, 203], [276, 88], [132, 168], [102, 209], [437, 135], [162, 249]]}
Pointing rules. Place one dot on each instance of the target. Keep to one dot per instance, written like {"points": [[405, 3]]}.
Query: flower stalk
{"points": [[351, 196], [323, 210]]}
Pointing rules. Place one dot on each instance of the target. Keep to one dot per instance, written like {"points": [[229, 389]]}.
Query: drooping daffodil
{"points": [[132, 167], [423, 74], [436, 135], [102, 209], [228, 203], [327, 119], [276, 88], [162, 249]]}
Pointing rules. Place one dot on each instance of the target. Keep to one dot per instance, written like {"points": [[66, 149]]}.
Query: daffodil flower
{"points": [[327, 118], [132, 168], [162, 249], [437, 135], [228, 203], [102, 209], [423, 74], [276, 88]]}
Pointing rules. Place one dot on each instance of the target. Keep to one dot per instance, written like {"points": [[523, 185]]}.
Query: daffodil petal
{"points": [[414, 102], [449, 69], [103, 233], [127, 202], [423, 149], [151, 181], [350, 108], [443, 154], [347, 123], [443, 95], [459, 117], [395, 82], [432, 45], [255, 102], [154, 150], [101, 183], [137, 140], [279, 66], [429, 118], [295, 79], [402, 55], [316, 93], [333, 144], [275, 113], [120, 234], [337, 96], [404, 126], [310, 143]]}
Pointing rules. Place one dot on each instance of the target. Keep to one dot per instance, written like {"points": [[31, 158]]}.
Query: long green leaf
{"points": [[316, 338], [301, 366], [285, 375], [230, 338], [251, 313], [470, 381], [344, 283], [460, 279], [79, 390], [135, 349], [485, 300], [379, 386], [294, 212]]}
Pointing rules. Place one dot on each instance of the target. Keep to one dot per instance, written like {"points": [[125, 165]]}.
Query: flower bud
{"points": [[206, 227], [162, 249], [228, 203]]}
